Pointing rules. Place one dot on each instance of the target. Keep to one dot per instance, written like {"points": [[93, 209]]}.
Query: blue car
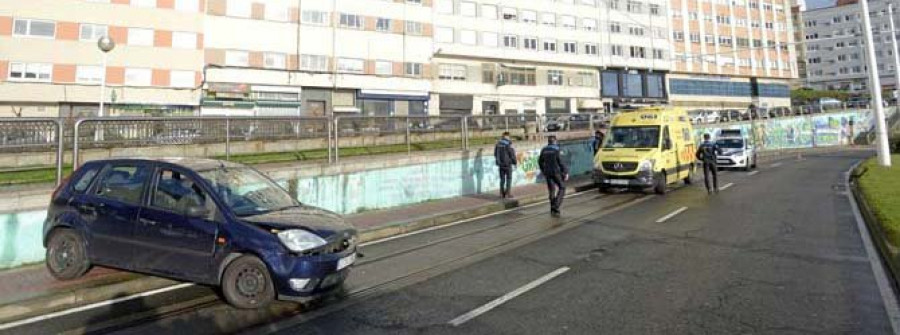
{"points": [[206, 221]]}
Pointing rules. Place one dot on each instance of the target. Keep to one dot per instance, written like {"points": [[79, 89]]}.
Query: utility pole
{"points": [[896, 55], [881, 140]]}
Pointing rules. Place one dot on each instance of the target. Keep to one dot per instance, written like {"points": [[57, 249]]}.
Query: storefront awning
{"points": [[393, 95], [346, 109], [590, 104]]}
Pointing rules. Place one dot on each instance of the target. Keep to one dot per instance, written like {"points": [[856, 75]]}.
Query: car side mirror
{"points": [[197, 211]]}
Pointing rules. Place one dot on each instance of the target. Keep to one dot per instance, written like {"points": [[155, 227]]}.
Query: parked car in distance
{"points": [[780, 112], [732, 115], [206, 221], [711, 117], [737, 151]]}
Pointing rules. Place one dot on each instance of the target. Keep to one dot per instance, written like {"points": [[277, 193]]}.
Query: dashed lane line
{"points": [[507, 297], [671, 215]]}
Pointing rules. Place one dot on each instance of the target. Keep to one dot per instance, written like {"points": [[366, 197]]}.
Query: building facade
{"points": [[732, 53], [389, 57], [799, 36], [836, 57]]}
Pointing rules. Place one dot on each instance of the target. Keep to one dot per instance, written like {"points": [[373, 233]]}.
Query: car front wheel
{"points": [[247, 284], [66, 256]]}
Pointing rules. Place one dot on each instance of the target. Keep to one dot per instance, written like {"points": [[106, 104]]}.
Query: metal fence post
{"points": [[227, 138], [330, 126], [337, 143], [60, 151], [408, 138], [75, 143]]}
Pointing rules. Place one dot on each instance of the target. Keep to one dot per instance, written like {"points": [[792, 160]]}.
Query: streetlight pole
{"points": [[105, 44], [884, 155], [896, 55]]}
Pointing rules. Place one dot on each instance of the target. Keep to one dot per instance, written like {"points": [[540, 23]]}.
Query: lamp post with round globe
{"points": [[105, 44]]}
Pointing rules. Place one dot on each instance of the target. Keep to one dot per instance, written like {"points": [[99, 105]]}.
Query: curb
{"points": [[890, 255]]}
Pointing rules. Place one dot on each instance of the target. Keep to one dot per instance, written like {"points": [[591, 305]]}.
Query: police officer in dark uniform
{"points": [[707, 153], [596, 142], [556, 172], [505, 156]]}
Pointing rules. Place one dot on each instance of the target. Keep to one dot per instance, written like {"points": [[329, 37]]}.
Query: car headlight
{"points": [[647, 165], [300, 240]]}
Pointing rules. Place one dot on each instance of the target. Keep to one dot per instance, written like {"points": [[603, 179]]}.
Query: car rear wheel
{"points": [[690, 177], [754, 161], [66, 257], [247, 283], [660, 187]]}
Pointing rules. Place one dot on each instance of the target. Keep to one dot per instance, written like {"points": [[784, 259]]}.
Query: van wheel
{"points": [[754, 161], [660, 187], [247, 284], [690, 177], [66, 257]]}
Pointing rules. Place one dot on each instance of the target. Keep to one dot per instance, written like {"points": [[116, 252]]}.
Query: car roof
{"points": [[197, 164]]}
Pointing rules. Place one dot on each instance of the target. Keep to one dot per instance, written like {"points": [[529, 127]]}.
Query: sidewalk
{"points": [[30, 290]]}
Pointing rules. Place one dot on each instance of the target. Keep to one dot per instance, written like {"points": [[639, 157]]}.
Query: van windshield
{"points": [[633, 137], [247, 192], [730, 143]]}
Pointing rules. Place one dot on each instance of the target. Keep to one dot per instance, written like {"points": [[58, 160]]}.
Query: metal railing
{"points": [[34, 134]]}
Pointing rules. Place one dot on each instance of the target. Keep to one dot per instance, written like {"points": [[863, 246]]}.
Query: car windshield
{"points": [[633, 137], [730, 143], [247, 192]]}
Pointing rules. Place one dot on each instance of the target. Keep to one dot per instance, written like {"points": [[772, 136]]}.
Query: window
{"points": [[529, 16], [444, 6], [616, 50], [384, 68], [613, 4], [654, 9], [510, 14], [138, 77], [34, 28], [384, 24], [610, 84], [237, 58], [143, 3], [489, 12], [452, 72], [489, 39], [550, 45], [443, 35], [177, 193], [634, 7], [590, 49], [412, 69], [639, 31], [585, 79], [123, 183], [487, 73], [187, 5], [314, 62], [530, 43], [589, 24], [277, 13], [511, 41], [350, 65], [567, 22], [470, 37], [85, 74], [517, 76], [314, 17], [615, 27], [570, 47], [182, 79], [238, 8], [140, 36], [414, 28], [30, 72], [659, 54], [92, 32], [678, 36], [351, 21], [467, 9], [183, 40], [638, 52], [555, 77], [274, 61], [84, 181]]}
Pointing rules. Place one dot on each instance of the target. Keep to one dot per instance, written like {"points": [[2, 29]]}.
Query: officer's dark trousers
{"points": [[505, 180], [557, 191], [711, 168]]}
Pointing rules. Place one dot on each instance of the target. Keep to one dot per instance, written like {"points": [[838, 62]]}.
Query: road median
{"points": [[875, 189]]}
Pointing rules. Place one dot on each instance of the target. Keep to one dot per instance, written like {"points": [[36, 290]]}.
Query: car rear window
{"points": [[84, 180]]}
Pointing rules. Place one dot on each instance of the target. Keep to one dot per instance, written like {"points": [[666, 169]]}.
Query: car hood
{"points": [[316, 220], [729, 151]]}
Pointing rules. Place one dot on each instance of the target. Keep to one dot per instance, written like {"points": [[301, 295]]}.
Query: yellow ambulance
{"points": [[648, 148]]}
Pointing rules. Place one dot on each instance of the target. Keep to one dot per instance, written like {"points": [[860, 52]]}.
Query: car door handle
{"points": [[148, 222], [88, 208]]}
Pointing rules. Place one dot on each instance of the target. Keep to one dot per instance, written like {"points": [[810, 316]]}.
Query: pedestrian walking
{"points": [[596, 142], [707, 153], [505, 156], [555, 172]]}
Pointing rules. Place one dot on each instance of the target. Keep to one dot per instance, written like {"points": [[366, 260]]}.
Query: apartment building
{"points": [[312, 58], [731, 53], [836, 58], [799, 37], [548, 56], [50, 64]]}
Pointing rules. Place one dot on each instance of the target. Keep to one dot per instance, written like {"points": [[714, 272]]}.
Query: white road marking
{"points": [[776, 165], [507, 297], [726, 186], [753, 173], [887, 293], [45, 317], [451, 224], [671, 215]]}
